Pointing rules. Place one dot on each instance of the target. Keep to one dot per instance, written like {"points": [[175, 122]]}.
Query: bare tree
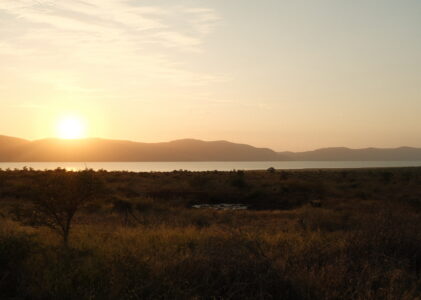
{"points": [[59, 197], [126, 209]]}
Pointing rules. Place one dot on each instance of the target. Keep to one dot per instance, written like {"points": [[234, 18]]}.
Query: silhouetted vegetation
{"points": [[314, 234], [56, 198]]}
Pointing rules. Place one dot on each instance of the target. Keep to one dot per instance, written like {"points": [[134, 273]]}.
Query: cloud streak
{"points": [[90, 42]]}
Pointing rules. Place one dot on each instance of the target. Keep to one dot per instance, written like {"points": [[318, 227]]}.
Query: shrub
{"points": [[58, 198], [15, 248]]}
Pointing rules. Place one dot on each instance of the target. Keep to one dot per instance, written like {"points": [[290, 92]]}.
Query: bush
{"points": [[15, 248]]}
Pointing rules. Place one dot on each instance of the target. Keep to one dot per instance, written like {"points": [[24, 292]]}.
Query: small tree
{"points": [[56, 201], [271, 170], [125, 209]]}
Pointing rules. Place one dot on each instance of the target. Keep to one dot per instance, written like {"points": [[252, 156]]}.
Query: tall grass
{"points": [[349, 248]]}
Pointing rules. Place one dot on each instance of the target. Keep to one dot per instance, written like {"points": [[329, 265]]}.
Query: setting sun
{"points": [[71, 128]]}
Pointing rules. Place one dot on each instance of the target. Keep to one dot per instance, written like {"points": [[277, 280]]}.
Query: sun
{"points": [[71, 127]]}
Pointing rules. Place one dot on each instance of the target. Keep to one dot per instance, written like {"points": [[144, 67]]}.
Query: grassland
{"points": [[314, 234]]}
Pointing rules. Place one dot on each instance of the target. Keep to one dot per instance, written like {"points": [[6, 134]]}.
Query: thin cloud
{"points": [[203, 20], [115, 37], [27, 105]]}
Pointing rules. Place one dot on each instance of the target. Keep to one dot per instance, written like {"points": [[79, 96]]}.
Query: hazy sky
{"points": [[290, 75]]}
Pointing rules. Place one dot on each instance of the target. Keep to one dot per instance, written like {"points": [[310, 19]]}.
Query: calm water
{"points": [[209, 166]]}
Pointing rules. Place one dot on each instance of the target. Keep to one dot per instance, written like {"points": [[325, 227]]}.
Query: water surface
{"points": [[208, 166]]}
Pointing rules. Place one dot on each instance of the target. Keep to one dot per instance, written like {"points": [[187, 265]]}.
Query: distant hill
{"points": [[346, 154], [94, 149]]}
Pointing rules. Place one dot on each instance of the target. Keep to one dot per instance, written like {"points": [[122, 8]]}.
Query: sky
{"points": [[289, 75]]}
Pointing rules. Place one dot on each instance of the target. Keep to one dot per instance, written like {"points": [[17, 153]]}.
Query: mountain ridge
{"points": [[348, 154], [14, 149], [96, 149]]}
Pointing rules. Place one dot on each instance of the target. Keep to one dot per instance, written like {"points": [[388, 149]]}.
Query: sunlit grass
{"points": [[350, 248]]}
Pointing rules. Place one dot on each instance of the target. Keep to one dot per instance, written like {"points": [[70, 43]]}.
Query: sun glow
{"points": [[71, 128]]}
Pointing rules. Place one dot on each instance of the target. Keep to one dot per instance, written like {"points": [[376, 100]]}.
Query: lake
{"points": [[208, 166]]}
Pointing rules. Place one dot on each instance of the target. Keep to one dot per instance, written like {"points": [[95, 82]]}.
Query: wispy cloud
{"points": [[80, 42], [202, 19], [29, 105]]}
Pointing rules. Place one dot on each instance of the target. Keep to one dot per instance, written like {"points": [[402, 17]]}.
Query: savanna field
{"points": [[310, 234]]}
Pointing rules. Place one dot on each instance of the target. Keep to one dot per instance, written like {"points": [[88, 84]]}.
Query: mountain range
{"points": [[94, 149]]}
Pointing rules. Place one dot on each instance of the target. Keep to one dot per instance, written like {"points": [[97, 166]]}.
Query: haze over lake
{"points": [[207, 166]]}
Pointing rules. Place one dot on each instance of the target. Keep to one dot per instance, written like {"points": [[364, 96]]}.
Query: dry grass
{"points": [[352, 247]]}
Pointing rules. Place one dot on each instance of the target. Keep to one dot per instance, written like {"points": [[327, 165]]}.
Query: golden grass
{"points": [[350, 248]]}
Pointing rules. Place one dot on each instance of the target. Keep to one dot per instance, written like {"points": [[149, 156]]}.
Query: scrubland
{"points": [[311, 234]]}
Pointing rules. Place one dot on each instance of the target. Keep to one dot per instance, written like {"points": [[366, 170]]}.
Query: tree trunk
{"points": [[66, 233]]}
